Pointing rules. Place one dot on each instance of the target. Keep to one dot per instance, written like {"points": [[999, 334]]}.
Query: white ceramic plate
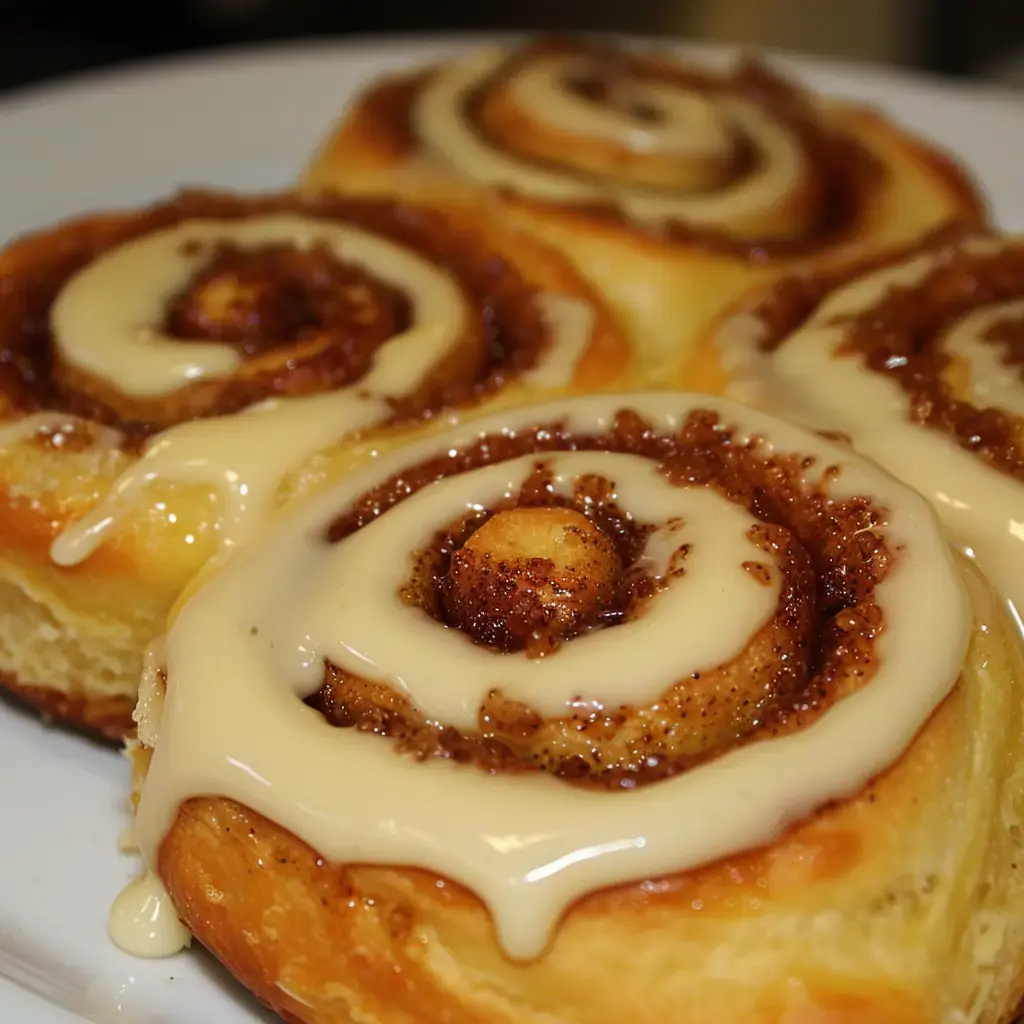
{"points": [[245, 120]]}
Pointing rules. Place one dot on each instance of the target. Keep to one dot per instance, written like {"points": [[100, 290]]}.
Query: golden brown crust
{"points": [[360, 929], [106, 717]]}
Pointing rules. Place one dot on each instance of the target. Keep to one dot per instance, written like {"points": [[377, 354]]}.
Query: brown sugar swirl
{"points": [[715, 149], [299, 313], [564, 558], [673, 184], [913, 333]]}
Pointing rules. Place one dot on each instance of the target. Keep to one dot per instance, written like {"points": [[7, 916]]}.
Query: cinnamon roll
{"points": [[919, 362], [168, 376], [641, 700], [671, 186]]}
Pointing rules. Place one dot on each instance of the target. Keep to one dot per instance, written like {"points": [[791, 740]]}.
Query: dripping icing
{"points": [[143, 921]]}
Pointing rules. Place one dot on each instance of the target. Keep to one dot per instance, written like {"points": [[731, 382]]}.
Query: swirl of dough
{"points": [[728, 620], [104, 317], [229, 339], [920, 363], [658, 142]]}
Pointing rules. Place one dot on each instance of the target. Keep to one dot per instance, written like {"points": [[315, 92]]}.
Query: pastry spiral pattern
{"points": [[168, 375], [611, 152], [661, 146], [609, 639], [920, 364]]}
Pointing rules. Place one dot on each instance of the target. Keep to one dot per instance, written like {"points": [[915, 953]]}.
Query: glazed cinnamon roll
{"points": [[168, 378], [920, 363], [672, 186], [644, 700]]}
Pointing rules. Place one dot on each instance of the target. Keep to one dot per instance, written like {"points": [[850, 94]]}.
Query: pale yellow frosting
{"points": [[687, 124]]}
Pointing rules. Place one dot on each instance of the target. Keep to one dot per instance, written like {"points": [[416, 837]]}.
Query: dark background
{"points": [[40, 39]]}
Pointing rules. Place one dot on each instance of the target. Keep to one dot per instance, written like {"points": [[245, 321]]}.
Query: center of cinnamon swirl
{"points": [[721, 569], [260, 298], [605, 89], [740, 161], [613, 118], [531, 577], [541, 569]]}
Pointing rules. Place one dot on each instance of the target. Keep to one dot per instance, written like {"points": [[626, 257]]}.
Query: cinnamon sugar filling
{"points": [[901, 337], [842, 175], [515, 591]]}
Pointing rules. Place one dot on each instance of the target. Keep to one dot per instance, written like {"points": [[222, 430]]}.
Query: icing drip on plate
{"points": [[143, 920]]}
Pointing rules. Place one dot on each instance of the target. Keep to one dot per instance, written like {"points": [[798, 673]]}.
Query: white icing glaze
{"points": [[233, 723], [143, 921], [688, 124], [242, 458], [439, 121], [571, 323], [358, 613], [993, 381], [807, 378], [103, 317]]}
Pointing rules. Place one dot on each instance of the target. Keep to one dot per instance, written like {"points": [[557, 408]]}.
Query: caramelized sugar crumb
{"points": [[1008, 334], [534, 574], [531, 578], [759, 571], [818, 646], [901, 337], [260, 298]]}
